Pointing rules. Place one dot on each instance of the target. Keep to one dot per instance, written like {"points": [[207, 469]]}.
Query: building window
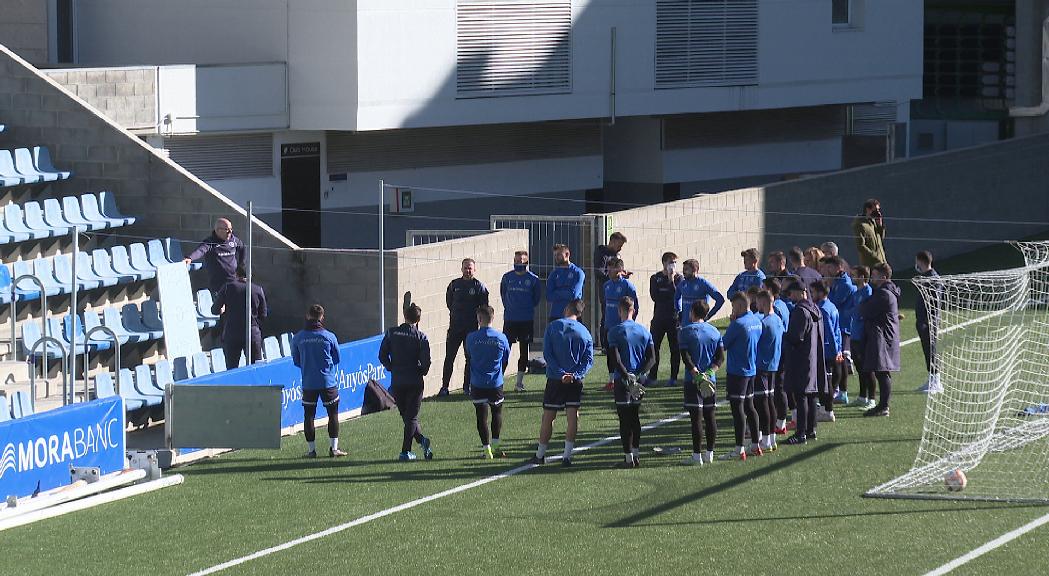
{"points": [[513, 47], [706, 43], [841, 12]]}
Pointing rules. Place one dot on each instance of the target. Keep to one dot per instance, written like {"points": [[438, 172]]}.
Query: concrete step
{"points": [[12, 371]]}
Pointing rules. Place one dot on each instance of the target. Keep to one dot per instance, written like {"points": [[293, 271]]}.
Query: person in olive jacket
{"points": [[869, 229]]}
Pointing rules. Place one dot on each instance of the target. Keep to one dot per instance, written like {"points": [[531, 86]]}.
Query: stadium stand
{"points": [[271, 349], [5, 409], [20, 166]]}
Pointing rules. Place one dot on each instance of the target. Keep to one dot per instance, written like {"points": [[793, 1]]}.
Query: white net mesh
{"points": [[991, 348]]}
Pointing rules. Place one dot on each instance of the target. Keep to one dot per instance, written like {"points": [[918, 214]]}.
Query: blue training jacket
{"points": [[631, 340], [741, 345], [316, 352], [701, 340], [831, 329], [841, 292], [770, 345], [489, 353], [692, 289], [520, 293], [563, 285], [568, 348], [614, 290], [856, 321], [744, 280]]}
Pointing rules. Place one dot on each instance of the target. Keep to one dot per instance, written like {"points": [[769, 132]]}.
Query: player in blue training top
{"points": [[782, 402], [316, 352], [770, 350], [750, 277], [521, 292], [565, 282], [616, 287], [741, 347], [835, 362], [489, 354], [703, 352], [694, 288], [861, 278], [568, 349], [630, 356], [841, 289]]}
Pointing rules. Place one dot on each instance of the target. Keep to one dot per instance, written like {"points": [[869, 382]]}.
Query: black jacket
{"points": [[405, 353]]}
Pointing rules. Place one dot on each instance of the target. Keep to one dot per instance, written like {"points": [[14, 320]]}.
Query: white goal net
{"points": [[991, 348]]}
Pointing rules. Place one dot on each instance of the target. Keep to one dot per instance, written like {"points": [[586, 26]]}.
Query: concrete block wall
{"points": [[426, 271], [128, 96], [23, 29], [713, 229]]}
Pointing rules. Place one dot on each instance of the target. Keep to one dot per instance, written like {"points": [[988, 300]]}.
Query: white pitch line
{"points": [[962, 325], [413, 504], [993, 544]]}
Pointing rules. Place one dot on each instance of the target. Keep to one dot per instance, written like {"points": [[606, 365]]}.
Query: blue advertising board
{"points": [[37, 451], [359, 363]]}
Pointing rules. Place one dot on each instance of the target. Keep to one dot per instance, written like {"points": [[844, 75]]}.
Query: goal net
{"points": [[991, 347]]}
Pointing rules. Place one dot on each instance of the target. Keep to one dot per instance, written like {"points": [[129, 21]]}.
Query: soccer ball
{"points": [[955, 480]]}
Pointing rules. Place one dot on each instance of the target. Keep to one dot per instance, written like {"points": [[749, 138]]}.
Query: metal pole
{"points": [[382, 259], [612, 82], [73, 306], [247, 293]]}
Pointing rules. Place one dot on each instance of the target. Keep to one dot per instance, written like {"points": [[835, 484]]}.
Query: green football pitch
{"points": [[799, 509]]}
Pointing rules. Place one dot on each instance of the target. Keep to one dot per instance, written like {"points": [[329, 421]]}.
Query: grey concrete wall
{"points": [[23, 28], [128, 96]]}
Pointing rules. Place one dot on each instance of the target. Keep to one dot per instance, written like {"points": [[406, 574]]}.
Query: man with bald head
{"points": [[222, 253]]}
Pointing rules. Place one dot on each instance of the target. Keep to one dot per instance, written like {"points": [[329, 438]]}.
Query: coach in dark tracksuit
{"points": [[923, 317], [222, 252], [662, 287], [405, 353], [806, 376], [881, 320], [463, 297], [232, 296], [604, 254]]}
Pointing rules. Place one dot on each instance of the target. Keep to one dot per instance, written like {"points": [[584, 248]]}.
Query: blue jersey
{"points": [[841, 291], [563, 285], [770, 345], [831, 329], [744, 281], [741, 345], [614, 290], [701, 341], [632, 341], [693, 289], [568, 348], [489, 352], [316, 353], [856, 321], [782, 309], [520, 293]]}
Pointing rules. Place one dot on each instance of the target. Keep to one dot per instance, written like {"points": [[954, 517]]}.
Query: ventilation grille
{"points": [[706, 43], [513, 47], [223, 157], [754, 127], [872, 119]]}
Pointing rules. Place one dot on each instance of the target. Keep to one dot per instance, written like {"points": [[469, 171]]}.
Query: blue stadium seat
{"points": [[26, 289], [53, 215], [71, 213], [183, 369], [8, 175], [64, 274], [85, 272], [104, 389], [173, 249], [103, 266], [144, 386], [151, 315], [121, 261], [21, 404], [5, 409], [5, 285], [34, 219], [204, 315], [132, 319], [271, 349], [164, 373], [15, 223], [8, 237], [24, 165], [285, 344], [218, 361], [98, 342], [90, 209], [201, 365], [91, 320], [144, 381], [157, 256], [130, 392], [42, 162], [243, 361], [31, 335], [43, 270], [111, 319], [140, 259], [108, 204]]}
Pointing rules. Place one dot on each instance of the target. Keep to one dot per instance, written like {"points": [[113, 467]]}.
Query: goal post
{"points": [[990, 334]]}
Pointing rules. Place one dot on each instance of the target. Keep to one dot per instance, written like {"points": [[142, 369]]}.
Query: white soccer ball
{"points": [[955, 480]]}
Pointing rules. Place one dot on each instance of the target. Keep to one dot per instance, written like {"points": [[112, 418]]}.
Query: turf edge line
{"points": [[413, 504], [988, 547]]}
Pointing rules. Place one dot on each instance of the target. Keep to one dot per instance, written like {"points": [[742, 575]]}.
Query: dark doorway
{"points": [[300, 186], [66, 24]]}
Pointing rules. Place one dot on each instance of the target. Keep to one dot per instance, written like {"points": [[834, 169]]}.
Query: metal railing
{"points": [[47, 383], [14, 314], [116, 358]]}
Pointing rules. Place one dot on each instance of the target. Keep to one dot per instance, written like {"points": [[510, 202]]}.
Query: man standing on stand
{"points": [[463, 296], [232, 298], [222, 252]]}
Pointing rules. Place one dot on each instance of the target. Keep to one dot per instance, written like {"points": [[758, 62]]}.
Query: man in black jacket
{"points": [[232, 297], [463, 297], [806, 376], [222, 252], [923, 317], [662, 287], [405, 353], [881, 338]]}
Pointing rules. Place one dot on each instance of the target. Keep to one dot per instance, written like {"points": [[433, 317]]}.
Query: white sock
{"points": [[781, 423], [486, 447], [334, 444], [541, 452], [739, 449], [697, 457], [635, 452], [629, 458], [709, 457], [862, 400], [313, 446], [568, 450]]}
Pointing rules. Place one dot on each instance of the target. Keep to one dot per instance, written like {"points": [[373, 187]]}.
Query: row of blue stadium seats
{"points": [[99, 269], [56, 217], [144, 386], [131, 324], [18, 406], [28, 166]]}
